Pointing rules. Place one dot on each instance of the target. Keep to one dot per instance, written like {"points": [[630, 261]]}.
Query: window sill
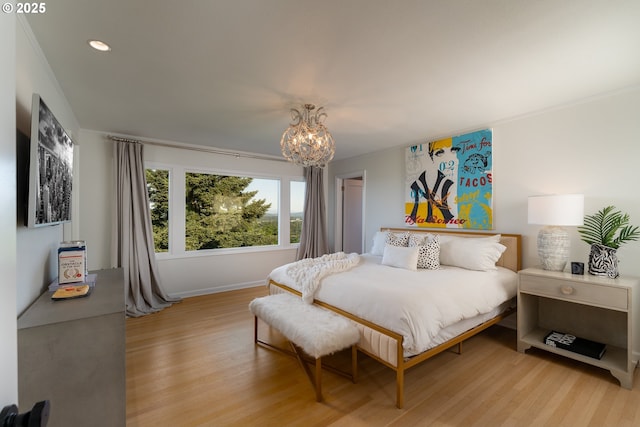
{"points": [[161, 256]]}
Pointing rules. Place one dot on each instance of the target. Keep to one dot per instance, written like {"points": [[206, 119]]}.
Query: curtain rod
{"points": [[203, 149]]}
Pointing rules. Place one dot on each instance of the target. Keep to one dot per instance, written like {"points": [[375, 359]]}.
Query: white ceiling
{"points": [[225, 73]]}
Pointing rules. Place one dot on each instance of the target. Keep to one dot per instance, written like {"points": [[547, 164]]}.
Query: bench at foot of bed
{"points": [[318, 332]]}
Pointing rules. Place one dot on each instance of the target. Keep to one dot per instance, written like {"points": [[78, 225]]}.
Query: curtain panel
{"points": [[313, 238], [132, 236]]}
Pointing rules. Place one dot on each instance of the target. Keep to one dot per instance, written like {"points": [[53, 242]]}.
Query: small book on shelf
{"points": [[575, 344], [71, 291]]}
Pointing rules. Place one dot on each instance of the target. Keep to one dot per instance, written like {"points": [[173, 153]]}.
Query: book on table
{"points": [[575, 344], [72, 262]]}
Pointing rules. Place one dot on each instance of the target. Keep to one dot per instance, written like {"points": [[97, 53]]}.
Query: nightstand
{"points": [[591, 307]]}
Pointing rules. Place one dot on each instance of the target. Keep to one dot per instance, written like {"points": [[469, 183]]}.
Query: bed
{"points": [[406, 315]]}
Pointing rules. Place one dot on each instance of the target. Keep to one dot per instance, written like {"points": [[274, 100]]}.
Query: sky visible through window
{"points": [[268, 189]]}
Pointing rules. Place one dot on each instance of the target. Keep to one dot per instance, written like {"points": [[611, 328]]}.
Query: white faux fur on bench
{"points": [[317, 331]]}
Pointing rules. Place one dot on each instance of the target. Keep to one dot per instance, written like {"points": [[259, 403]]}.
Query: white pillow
{"points": [[401, 257], [379, 240], [471, 253], [429, 250], [445, 238]]}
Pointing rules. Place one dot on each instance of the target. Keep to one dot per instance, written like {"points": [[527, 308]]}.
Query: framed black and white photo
{"points": [[50, 168]]}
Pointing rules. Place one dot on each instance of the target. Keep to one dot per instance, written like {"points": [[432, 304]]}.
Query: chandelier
{"points": [[307, 142]]}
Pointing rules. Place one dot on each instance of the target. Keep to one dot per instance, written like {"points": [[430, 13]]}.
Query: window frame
{"points": [[170, 169], [177, 211]]}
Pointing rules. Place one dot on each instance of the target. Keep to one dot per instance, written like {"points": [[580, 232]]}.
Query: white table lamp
{"points": [[554, 212]]}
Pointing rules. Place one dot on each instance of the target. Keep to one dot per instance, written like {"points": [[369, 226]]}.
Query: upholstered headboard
{"points": [[511, 258]]}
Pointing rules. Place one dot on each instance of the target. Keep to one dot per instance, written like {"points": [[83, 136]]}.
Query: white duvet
{"points": [[415, 304]]}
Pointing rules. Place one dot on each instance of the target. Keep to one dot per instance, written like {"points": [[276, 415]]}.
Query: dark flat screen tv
{"points": [[50, 168]]}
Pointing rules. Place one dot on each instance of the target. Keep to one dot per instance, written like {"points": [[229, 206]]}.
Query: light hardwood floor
{"points": [[195, 364]]}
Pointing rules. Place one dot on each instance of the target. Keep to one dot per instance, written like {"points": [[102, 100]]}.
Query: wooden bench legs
{"points": [[315, 376]]}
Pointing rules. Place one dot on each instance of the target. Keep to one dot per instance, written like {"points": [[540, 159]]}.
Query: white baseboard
{"points": [[225, 288]]}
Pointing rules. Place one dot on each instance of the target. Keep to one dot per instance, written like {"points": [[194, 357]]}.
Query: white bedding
{"points": [[415, 304]]}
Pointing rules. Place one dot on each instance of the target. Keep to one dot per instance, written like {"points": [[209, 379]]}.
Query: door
{"points": [[352, 215]]}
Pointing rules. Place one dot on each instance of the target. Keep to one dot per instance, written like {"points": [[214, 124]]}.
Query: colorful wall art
{"points": [[449, 183]]}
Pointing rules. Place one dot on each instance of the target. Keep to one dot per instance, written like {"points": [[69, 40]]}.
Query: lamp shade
{"points": [[557, 209]]}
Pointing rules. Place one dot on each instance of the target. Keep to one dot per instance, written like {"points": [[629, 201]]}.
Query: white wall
{"points": [[96, 187], [9, 347], [186, 275], [37, 247], [590, 148]]}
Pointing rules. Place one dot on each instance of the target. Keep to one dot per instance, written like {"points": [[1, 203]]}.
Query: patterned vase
{"points": [[603, 261]]}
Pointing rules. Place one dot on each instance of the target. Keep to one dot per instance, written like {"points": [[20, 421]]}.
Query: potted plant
{"points": [[606, 231]]}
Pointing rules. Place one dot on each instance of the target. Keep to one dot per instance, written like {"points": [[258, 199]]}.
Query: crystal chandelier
{"points": [[307, 142]]}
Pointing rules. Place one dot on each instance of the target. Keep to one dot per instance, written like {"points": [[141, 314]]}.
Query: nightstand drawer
{"points": [[588, 293]]}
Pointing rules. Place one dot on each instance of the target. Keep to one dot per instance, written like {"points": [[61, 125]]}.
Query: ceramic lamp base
{"points": [[553, 248]]}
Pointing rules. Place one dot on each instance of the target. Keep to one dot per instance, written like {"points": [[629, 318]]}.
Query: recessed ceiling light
{"points": [[99, 45]]}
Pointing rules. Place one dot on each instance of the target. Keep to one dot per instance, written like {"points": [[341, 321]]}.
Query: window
{"points": [[296, 210], [196, 212], [225, 211], [158, 189]]}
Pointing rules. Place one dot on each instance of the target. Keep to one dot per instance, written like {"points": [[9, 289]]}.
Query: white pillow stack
{"points": [[433, 250]]}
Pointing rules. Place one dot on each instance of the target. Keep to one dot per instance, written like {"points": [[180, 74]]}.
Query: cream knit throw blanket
{"points": [[309, 271]]}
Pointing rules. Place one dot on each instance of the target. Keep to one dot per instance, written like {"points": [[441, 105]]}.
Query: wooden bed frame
{"points": [[385, 346]]}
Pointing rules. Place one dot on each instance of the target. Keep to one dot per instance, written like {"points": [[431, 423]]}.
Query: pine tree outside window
{"points": [[224, 212], [200, 212], [158, 189]]}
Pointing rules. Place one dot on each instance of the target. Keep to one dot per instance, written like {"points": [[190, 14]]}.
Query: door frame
{"points": [[338, 212]]}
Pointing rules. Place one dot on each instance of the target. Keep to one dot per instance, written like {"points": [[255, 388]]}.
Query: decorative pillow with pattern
{"points": [[398, 239], [428, 250]]}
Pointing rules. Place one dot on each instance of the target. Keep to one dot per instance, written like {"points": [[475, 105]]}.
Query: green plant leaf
{"points": [[601, 228], [627, 233]]}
